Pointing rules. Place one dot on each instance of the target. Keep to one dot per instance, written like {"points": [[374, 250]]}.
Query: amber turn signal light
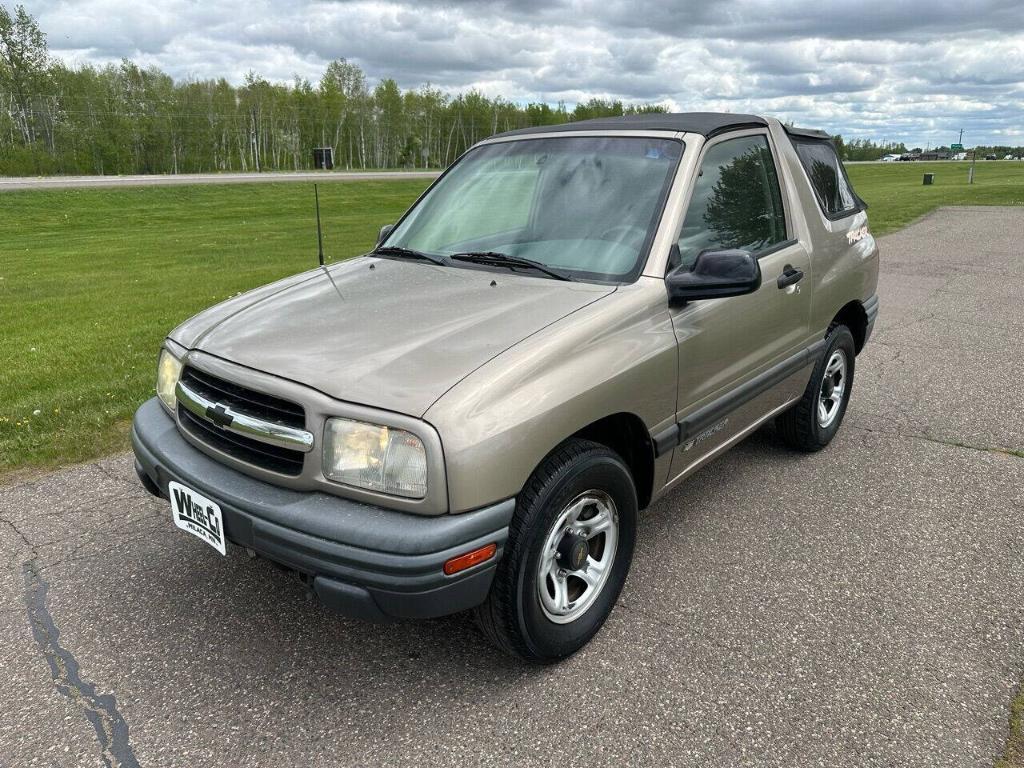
{"points": [[468, 560]]}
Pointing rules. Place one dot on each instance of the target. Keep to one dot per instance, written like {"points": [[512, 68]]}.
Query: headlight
{"points": [[168, 370], [375, 458]]}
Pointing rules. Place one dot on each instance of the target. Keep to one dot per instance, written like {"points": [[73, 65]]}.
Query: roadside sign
{"points": [[956, 147]]}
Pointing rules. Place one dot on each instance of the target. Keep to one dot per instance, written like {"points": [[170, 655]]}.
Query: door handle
{"points": [[789, 276]]}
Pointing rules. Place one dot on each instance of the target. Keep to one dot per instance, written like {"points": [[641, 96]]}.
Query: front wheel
{"points": [[811, 424], [569, 550]]}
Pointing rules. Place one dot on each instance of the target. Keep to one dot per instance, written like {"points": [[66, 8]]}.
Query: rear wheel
{"points": [[569, 549], [811, 424]]}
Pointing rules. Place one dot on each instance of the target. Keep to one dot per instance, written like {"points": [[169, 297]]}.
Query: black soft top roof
{"points": [[704, 123], [707, 124]]}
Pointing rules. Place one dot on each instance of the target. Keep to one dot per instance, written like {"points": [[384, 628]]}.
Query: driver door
{"points": [[726, 345]]}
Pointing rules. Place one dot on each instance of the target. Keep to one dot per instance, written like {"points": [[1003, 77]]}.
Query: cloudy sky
{"points": [[914, 71]]}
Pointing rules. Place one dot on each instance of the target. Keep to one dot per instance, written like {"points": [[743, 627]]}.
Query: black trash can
{"points": [[323, 158], [928, 179]]}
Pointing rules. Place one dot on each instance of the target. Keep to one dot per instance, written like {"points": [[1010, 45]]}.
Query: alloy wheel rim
{"points": [[832, 389], [567, 589]]}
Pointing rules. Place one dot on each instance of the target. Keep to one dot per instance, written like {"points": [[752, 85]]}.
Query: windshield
{"points": [[583, 205]]}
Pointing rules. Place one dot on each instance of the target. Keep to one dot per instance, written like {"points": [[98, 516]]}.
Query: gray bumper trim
{"points": [[364, 561], [871, 308], [871, 312]]}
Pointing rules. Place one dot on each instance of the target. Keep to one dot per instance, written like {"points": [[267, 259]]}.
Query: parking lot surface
{"points": [[859, 607]]}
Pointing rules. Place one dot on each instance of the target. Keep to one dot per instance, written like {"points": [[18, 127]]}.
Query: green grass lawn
{"points": [[91, 280], [896, 195], [1013, 753]]}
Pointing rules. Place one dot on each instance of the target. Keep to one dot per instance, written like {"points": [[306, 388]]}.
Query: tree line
{"points": [[865, 149], [122, 118]]}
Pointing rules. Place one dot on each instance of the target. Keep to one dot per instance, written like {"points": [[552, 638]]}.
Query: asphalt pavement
{"points": [[15, 183], [859, 607]]}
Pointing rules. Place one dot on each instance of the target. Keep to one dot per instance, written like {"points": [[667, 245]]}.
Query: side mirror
{"points": [[384, 231], [714, 275]]}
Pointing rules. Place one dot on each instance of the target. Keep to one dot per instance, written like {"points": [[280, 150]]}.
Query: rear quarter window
{"points": [[828, 178]]}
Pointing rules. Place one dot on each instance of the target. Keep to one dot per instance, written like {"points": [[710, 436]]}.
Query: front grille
{"points": [[257, 404], [285, 461]]}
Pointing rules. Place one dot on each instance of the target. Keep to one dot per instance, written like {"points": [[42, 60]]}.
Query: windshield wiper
{"points": [[406, 253], [493, 258]]}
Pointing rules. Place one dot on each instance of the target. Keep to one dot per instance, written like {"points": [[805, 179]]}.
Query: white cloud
{"points": [[917, 71]]}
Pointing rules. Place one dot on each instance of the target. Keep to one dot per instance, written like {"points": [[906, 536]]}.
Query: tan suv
{"points": [[568, 322]]}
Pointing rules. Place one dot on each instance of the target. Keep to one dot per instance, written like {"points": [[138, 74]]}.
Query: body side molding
{"points": [[716, 410]]}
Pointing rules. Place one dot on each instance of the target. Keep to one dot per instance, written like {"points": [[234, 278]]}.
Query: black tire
{"points": [[798, 427], [512, 617]]}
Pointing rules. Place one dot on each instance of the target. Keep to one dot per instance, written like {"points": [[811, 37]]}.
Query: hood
{"points": [[381, 332]]}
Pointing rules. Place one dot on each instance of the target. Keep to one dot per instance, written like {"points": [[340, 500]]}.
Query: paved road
{"points": [[860, 607], [11, 184]]}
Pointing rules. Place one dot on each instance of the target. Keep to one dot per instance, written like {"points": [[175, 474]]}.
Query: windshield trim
{"points": [[578, 275]]}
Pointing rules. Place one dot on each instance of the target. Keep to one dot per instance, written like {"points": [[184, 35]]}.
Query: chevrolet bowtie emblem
{"points": [[219, 415]]}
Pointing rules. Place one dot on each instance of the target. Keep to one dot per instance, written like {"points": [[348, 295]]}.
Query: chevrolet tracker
{"points": [[569, 322]]}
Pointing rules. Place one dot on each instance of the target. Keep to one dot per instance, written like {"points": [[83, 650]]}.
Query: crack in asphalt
{"points": [[99, 709], [20, 534], [107, 472], [1011, 452]]}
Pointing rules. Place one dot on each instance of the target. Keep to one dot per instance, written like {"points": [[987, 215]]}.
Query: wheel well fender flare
{"points": [[627, 435], [854, 316]]}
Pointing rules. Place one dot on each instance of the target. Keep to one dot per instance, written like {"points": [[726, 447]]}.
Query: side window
{"points": [[828, 178], [736, 201]]}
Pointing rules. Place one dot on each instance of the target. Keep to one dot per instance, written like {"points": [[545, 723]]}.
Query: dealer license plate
{"points": [[198, 515]]}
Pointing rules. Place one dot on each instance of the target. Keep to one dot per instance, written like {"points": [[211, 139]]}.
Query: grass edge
{"points": [[1013, 752]]}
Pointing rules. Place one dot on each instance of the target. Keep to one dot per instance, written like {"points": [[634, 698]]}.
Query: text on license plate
{"points": [[198, 515]]}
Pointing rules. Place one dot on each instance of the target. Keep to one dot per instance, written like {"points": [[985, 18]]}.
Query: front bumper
{"points": [[361, 560]]}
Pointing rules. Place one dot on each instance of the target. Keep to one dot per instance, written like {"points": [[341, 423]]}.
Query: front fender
{"points": [[615, 355]]}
